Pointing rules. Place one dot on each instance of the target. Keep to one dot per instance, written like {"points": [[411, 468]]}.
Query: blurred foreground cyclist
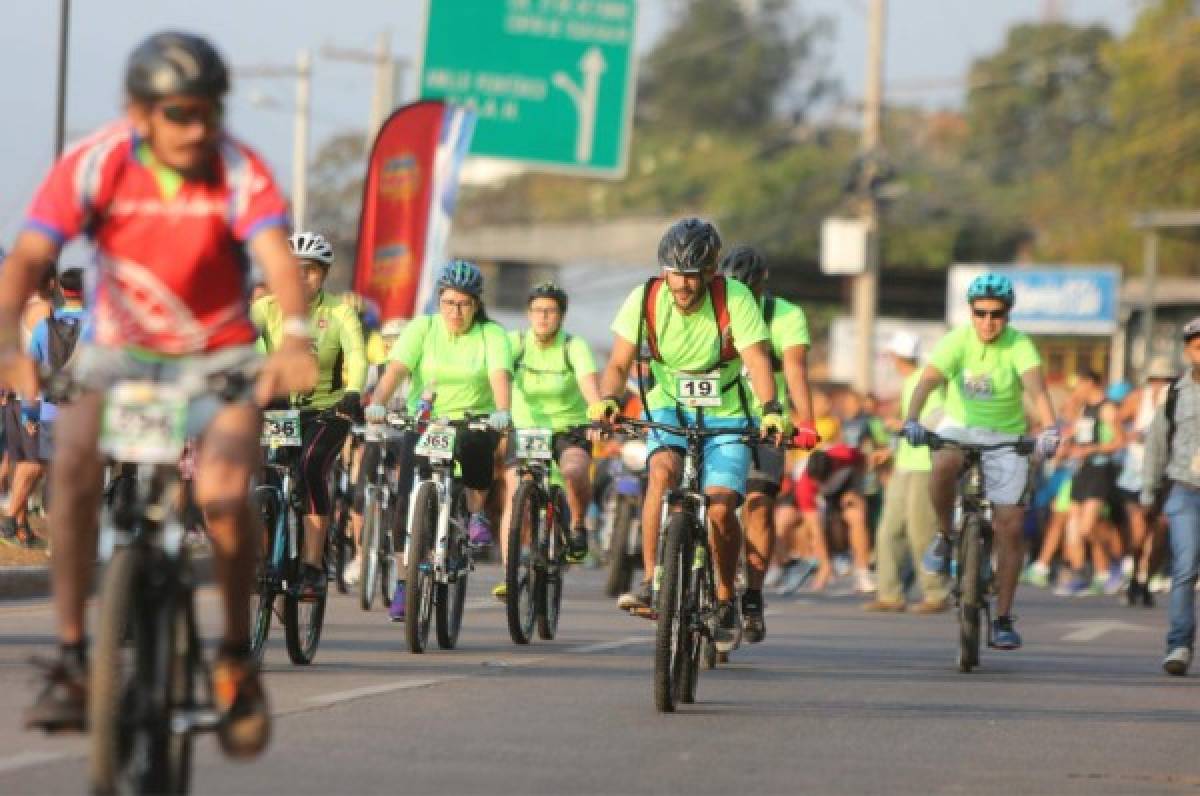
{"points": [[170, 299]]}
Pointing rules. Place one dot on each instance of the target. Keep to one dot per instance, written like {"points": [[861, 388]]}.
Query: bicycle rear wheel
{"points": [[419, 591], [338, 543], [519, 572], [970, 605], [262, 601], [550, 579], [620, 563], [368, 582], [452, 596], [672, 639]]}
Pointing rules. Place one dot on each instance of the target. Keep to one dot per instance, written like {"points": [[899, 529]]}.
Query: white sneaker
{"points": [[864, 581], [773, 576], [1177, 661], [353, 571]]}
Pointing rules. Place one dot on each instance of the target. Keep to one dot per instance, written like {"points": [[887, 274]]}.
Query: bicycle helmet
{"points": [[463, 276], [992, 286], [689, 246], [1191, 329], [551, 291], [171, 63], [744, 264], [312, 246]]}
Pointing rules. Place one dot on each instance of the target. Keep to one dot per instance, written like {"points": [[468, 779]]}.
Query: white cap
{"points": [[906, 345]]}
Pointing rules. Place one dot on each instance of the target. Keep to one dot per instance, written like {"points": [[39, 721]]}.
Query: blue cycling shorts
{"points": [[726, 458]]}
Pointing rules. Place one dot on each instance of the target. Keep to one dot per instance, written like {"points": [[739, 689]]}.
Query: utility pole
{"points": [[866, 284], [60, 113], [302, 74], [388, 79]]}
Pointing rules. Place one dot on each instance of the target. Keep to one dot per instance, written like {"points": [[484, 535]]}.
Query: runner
{"points": [[699, 328], [787, 328], [169, 202], [988, 366]]}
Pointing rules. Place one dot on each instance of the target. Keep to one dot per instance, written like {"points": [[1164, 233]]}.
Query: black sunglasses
{"points": [[998, 315], [209, 116]]}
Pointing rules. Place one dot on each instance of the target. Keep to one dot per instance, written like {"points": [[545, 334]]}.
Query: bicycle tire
{"points": [[338, 543], [519, 577], [389, 568], [452, 596], [695, 647], [262, 602], [970, 606], [548, 596], [368, 582], [418, 593], [620, 563], [303, 621], [670, 634]]}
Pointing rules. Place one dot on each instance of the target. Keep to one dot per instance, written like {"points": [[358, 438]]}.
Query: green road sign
{"points": [[552, 81]]}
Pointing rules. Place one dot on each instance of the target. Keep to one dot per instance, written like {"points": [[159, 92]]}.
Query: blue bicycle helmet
{"points": [[992, 286], [1118, 392], [463, 276]]}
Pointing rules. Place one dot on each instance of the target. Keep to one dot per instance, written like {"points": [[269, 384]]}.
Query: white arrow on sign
{"points": [[585, 98], [1092, 629]]}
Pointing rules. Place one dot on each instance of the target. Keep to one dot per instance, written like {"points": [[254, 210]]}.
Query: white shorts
{"points": [[1005, 472]]}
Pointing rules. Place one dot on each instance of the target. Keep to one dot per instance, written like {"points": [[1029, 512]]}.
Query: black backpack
{"points": [[62, 337]]}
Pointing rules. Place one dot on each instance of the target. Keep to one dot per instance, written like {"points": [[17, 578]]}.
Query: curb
{"points": [[31, 582]]}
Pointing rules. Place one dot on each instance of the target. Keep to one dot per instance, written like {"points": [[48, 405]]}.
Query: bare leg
{"points": [[575, 466], [1010, 552], [727, 538], [510, 491], [854, 514], [758, 513], [666, 466], [1053, 538]]}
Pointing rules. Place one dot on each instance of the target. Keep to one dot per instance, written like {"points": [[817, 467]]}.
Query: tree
{"points": [[730, 65]]}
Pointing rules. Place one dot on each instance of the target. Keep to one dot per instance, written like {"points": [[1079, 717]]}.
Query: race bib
{"points": [[144, 423], [535, 443], [978, 386], [699, 390], [281, 429], [1085, 430], [437, 442]]}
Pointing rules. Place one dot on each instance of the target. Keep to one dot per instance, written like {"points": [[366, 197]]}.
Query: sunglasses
{"points": [[996, 315], [456, 306], [185, 115]]}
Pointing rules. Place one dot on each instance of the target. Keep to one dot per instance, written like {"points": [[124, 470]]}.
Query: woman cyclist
{"points": [[342, 366], [461, 360], [554, 380]]}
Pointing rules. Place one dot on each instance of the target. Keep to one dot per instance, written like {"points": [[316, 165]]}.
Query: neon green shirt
{"points": [[337, 344], [688, 343], [788, 328], [454, 367], [908, 458], [546, 391], [985, 379]]}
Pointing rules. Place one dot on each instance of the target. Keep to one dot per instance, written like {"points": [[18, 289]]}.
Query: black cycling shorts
{"points": [[1094, 481], [323, 437], [563, 441]]}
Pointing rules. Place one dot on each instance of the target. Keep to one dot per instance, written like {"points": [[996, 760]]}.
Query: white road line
{"points": [[27, 759], [1092, 629], [507, 663], [604, 646], [337, 697]]}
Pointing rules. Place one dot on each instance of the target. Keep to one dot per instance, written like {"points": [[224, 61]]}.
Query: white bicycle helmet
{"points": [[312, 246]]}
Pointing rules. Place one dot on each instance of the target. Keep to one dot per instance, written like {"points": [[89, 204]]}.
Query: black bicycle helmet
{"points": [[551, 291], [744, 264], [689, 246], [172, 63]]}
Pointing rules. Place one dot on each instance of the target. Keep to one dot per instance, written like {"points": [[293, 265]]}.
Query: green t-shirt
{"points": [[908, 458], [455, 368], [788, 328], [985, 379], [546, 390], [337, 344], [689, 343]]}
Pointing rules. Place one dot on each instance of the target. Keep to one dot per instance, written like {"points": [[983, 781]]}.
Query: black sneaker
{"points": [[577, 546], [727, 627], [8, 532], [30, 540], [754, 627], [1133, 595], [61, 706], [639, 601], [1004, 635]]}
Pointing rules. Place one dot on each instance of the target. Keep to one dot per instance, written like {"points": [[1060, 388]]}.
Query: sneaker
{"points": [[864, 581], [841, 565], [1004, 635], [1071, 585], [754, 625], [30, 540], [879, 606], [353, 571], [1115, 581], [313, 582], [639, 600], [8, 532], [795, 574], [773, 577], [396, 609], [1177, 661], [1036, 574], [726, 638], [1159, 584], [500, 591], [479, 530], [239, 697], [61, 705], [936, 556], [577, 546], [931, 607]]}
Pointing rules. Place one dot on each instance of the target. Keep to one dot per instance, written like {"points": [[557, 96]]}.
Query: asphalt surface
{"points": [[834, 701]]}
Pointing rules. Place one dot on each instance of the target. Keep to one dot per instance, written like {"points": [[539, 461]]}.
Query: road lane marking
{"points": [[338, 697], [1092, 629], [27, 759], [604, 646], [506, 663]]}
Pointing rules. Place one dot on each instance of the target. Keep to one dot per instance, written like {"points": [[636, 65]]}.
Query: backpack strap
{"points": [[567, 337], [768, 313], [720, 302], [649, 319]]}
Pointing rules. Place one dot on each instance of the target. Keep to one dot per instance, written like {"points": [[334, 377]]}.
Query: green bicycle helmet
{"points": [[992, 286], [463, 276]]}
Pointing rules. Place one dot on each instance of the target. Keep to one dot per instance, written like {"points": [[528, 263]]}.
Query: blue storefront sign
{"points": [[1066, 300]]}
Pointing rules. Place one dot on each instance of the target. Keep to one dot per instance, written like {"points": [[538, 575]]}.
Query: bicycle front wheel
{"points": [[550, 577], [452, 596], [368, 582], [519, 569], [262, 601], [672, 639], [303, 619], [418, 592], [970, 605]]}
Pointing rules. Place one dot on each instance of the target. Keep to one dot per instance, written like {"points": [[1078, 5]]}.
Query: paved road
{"points": [[835, 701]]}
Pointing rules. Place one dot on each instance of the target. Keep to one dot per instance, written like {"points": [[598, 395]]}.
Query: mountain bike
{"points": [[537, 540], [684, 583], [151, 689], [622, 507], [437, 557], [380, 571], [341, 491], [971, 545]]}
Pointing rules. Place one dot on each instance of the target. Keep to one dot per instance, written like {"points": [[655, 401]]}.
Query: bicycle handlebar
{"points": [[749, 435], [1022, 445]]}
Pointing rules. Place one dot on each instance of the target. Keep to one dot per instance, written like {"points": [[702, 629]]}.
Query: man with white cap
{"points": [[908, 521]]}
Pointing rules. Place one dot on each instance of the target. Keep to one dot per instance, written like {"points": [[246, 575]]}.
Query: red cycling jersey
{"points": [[171, 275]]}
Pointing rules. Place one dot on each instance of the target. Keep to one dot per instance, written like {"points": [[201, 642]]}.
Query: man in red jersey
{"points": [[171, 204]]}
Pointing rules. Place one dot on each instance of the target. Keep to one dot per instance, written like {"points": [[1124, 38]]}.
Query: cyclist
{"points": [[787, 328], [169, 202], [341, 372], [460, 359], [697, 325], [554, 381], [988, 367]]}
